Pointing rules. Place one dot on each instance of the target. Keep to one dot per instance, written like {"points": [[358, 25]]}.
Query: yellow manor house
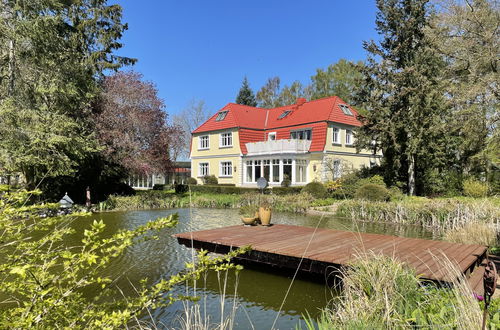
{"points": [[302, 142]]}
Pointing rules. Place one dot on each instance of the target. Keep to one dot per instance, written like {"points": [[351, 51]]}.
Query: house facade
{"points": [[302, 142]]}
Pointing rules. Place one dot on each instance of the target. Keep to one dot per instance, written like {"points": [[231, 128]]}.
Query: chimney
{"points": [[300, 101]]}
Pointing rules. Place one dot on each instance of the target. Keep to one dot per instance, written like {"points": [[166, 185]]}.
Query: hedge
{"points": [[226, 189], [220, 189]]}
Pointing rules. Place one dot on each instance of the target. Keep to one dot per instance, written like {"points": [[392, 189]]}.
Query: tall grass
{"points": [[474, 233], [381, 293], [441, 214], [152, 200]]}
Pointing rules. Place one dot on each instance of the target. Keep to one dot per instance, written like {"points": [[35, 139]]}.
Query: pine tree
{"points": [[246, 95], [401, 91]]}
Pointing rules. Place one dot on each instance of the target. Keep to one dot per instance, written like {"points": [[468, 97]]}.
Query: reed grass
{"points": [[440, 214], [474, 233], [153, 200], [381, 293]]}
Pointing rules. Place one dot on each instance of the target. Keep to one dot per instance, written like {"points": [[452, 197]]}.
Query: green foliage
{"points": [[403, 96], [210, 180], [214, 189], [437, 214], [56, 54], [395, 194], [181, 188], [316, 189], [43, 280], [351, 182], [286, 190], [372, 192], [475, 188], [382, 293], [248, 210], [339, 79], [191, 181], [246, 95]]}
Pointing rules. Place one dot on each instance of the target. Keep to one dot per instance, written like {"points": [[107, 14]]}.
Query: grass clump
{"points": [[474, 233], [435, 214], [316, 189], [382, 293], [372, 192]]}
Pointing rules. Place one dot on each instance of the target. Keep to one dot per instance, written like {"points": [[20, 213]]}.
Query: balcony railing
{"points": [[278, 147]]}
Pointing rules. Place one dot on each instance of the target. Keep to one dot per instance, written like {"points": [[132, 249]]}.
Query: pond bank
{"points": [[441, 214]]}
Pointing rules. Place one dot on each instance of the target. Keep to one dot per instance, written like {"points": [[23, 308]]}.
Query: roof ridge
{"points": [[244, 105]]}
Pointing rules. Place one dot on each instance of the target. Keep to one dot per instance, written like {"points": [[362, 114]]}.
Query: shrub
{"points": [[475, 188], [332, 186], [395, 194], [286, 190], [219, 189], [181, 188], [210, 180], [316, 189], [286, 181], [372, 192], [191, 181], [159, 187]]}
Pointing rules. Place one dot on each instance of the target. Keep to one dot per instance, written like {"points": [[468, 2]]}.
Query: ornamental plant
{"points": [[41, 281]]}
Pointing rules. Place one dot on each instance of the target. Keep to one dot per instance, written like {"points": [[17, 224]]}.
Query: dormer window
{"points": [[221, 115], [284, 114], [345, 109]]}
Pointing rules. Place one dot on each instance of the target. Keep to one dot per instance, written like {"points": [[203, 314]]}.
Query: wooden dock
{"points": [[320, 250]]}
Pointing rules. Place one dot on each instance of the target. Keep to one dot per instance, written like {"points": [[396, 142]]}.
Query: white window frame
{"points": [[336, 135], [200, 174], [301, 132], [349, 139], [228, 168], [346, 110], [269, 136], [200, 142], [223, 137]]}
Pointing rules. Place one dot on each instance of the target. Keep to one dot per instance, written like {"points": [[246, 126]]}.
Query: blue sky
{"points": [[203, 49]]}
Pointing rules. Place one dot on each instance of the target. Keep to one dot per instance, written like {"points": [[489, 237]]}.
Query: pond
{"points": [[259, 298]]}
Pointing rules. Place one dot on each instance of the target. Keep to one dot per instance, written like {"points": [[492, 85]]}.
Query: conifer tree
{"points": [[246, 95], [401, 91]]}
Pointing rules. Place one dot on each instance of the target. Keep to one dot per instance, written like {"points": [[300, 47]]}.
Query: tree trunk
{"points": [[10, 91], [411, 175]]}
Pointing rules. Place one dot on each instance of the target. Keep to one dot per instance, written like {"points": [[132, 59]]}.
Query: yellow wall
{"points": [[214, 169], [215, 154], [215, 149]]}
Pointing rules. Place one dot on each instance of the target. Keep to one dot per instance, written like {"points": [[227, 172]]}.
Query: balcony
{"points": [[273, 147]]}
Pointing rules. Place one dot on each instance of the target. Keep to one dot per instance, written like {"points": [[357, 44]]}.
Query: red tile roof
{"points": [[253, 123], [242, 116]]}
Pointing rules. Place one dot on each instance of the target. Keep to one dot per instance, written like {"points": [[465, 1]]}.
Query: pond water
{"points": [[259, 298]]}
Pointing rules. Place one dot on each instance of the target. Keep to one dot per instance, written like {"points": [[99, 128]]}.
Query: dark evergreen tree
{"points": [[246, 95], [401, 91]]}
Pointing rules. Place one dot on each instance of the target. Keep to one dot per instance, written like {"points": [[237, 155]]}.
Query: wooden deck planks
{"points": [[338, 247]]}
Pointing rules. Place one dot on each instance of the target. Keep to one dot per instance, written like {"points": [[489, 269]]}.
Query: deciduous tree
{"points": [[339, 79], [188, 120], [132, 125], [467, 35], [52, 54]]}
